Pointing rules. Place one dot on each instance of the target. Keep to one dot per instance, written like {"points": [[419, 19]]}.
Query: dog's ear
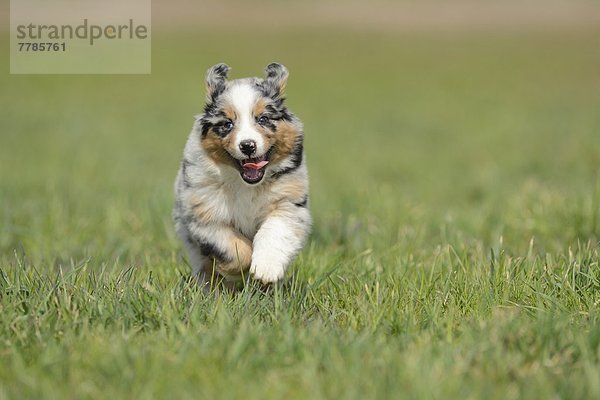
{"points": [[277, 76], [215, 80]]}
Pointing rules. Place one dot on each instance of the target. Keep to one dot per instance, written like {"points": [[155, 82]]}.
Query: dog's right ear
{"points": [[215, 80]]}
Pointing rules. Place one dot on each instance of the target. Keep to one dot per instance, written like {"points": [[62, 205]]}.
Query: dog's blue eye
{"points": [[263, 119], [227, 126]]}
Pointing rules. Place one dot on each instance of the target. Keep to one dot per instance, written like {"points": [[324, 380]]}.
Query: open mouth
{"points": [[253, 169]]}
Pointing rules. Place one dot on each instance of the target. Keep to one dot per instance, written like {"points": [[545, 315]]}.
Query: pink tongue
{"points": [[255, 166]]}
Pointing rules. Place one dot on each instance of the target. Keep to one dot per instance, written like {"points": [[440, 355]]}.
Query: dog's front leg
{"points": [[218, 246], [278, 241]]}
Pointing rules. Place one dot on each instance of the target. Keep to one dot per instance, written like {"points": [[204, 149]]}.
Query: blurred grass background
{"points": [[444, 142]]}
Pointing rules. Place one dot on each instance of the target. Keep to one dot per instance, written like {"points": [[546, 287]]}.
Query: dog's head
{"points": [[247, 126]]}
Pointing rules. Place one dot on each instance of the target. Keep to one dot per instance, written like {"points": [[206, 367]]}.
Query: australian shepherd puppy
{"points": [[242, 189]]}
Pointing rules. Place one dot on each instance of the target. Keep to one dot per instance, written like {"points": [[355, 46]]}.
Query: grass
{"points": [[456, 196]]}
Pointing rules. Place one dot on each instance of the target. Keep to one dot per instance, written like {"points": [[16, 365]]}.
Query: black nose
{"points": [[248, 147]]}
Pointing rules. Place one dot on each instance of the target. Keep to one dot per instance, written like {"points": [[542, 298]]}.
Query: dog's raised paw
{"points": [[267, 273]]}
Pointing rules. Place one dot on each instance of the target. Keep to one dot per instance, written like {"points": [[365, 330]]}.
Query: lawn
{"points": [[455, 189]]}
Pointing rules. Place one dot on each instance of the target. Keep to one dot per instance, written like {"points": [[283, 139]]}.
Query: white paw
{"points": [[266, 272]]}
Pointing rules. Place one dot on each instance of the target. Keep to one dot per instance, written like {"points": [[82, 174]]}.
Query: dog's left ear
{"points": [[277, 76]]}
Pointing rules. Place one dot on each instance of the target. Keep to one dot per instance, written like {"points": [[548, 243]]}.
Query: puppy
{"points": [[241, 193]]}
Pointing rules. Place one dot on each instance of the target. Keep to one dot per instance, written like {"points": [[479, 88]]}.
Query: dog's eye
{"points": [[263, 119], [227, 126]]}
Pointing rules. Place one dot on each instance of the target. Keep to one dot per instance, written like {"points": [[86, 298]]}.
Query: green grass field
{"points": [[455, 189]]}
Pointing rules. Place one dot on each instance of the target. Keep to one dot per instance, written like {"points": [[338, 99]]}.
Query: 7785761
{"points": [[35, 46]]}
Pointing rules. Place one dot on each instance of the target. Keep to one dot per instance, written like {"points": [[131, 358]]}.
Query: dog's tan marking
{"points": [[213, 279], [287, 192], [215, 148], [240, 250], [230, 112], [259, 107], [215, 145], [294, 190], [285, 138]]}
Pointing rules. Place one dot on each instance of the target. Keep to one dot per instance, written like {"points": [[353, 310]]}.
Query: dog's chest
{"points": [[242, 208]]}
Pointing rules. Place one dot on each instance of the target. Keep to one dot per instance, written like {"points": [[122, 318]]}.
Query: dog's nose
{"points": [[248, 147]]}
